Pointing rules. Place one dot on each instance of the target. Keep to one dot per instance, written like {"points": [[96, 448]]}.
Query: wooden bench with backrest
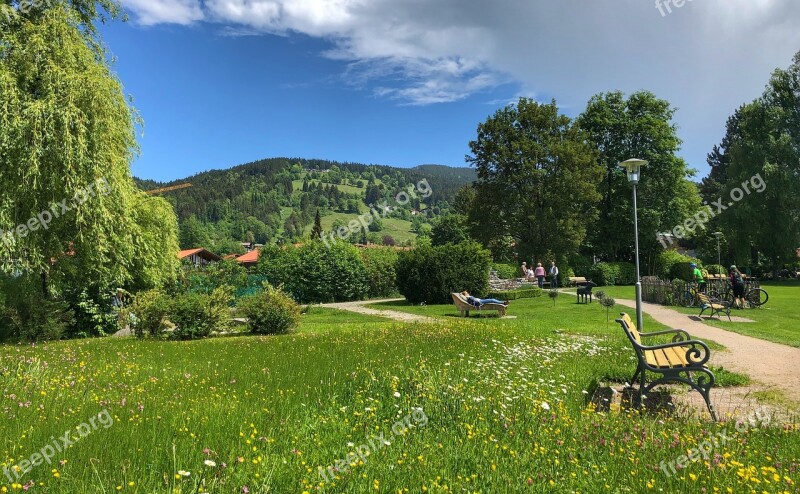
{"points": [[715, 306], [464, 307], [578, 280], [676, 361]]}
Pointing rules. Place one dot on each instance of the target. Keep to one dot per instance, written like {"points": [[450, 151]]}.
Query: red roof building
{"points": [[249, 260], [199, 256]]}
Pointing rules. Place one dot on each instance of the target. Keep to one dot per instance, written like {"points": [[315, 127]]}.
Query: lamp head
{"points": [[633, 168]]}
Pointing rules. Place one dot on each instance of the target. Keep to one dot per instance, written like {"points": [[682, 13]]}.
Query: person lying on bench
{"points": [[477, 302]]}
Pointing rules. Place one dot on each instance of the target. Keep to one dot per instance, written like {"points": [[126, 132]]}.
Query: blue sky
{"points": [[224, 82]]}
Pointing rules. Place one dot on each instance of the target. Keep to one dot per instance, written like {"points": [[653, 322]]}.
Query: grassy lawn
{"points": [[481, 405], [778, 320]]}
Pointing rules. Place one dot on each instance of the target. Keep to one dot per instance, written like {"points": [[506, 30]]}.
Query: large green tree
{"points": [[537, 179], [67, 137], [755, 176], [639, 126]]}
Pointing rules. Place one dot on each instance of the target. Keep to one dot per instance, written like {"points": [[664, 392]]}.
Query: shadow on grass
{"points": [[657, 403]]}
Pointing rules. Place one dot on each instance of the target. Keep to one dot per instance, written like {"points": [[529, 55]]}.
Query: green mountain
{"points": [[275, 200]]}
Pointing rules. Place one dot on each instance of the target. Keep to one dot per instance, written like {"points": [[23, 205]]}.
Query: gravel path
{"points": [[359, 307]]}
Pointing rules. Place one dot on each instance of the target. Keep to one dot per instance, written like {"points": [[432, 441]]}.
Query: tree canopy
{"points": [[537, 179]]}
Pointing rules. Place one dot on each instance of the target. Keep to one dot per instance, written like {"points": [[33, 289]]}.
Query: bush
{"points": [[613, 273], [506, 271], [516, 294], [28, 315], [150, 309], [671, 264], [430, 274], [716, 269], [316, 272], [196, 315], [381, 275], [270, 312]]}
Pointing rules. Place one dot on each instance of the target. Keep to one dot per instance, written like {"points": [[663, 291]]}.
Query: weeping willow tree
{"points": [[67, 138]]}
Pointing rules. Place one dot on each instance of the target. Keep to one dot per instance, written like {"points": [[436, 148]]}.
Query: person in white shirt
{"points": [[554, 275]]}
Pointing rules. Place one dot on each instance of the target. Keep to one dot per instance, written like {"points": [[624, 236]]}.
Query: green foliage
{"points": [[150, 309], [270, 312], [431, 273], [516, 294], [27, 315], [537, 181], [553, 294], [206, 279], [449, 229], [665, 265], [683, 270], [380, 266], [67, 134], [613, 273], [506, 271], [638, 126], [608, 303], [196, 315], [316, 273], [716, 269], [94, 317]]}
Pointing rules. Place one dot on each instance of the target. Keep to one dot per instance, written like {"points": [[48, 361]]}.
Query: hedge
{"points": [[613, 273], [430, 274], [507, 271], [516, 294]]}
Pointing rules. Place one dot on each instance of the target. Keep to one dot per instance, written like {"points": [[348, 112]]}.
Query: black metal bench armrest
{"points": [[692, 353], [680, 335]]}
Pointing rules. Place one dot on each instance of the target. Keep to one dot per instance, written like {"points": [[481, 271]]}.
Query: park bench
{"points": [[715, 306], [578, 281], [464, 307], [676, 361], [585, 292]]}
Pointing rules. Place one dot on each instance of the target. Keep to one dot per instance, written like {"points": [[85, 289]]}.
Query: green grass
{"points": [[778, 320], [495, 405]]}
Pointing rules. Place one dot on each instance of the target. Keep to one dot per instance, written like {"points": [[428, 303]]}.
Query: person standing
{"points": [[737, 282], [540, 274], [524, 269], [554, 275], [697, 277]]}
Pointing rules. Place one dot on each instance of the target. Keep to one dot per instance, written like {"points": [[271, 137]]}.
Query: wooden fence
{"points": [[665, 292]]}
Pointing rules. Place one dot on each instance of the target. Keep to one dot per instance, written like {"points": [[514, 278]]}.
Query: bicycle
{"points": [[687, 297], [755, 297]]}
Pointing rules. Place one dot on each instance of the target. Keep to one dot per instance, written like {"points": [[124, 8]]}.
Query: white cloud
{"points": [[149, 12], [706, 57]]}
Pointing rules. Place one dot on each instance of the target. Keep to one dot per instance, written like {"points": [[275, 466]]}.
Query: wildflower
{"points": [[397, 394], [545, 405], [209, 463]]}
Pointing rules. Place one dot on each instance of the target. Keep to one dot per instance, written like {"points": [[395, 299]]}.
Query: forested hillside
{"points": [[275, 201]]}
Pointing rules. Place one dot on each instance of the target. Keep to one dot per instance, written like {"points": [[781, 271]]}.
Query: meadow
{"points": [[778, 320], [483, 405]]}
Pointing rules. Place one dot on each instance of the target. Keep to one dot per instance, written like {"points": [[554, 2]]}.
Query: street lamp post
{"points": [[719, 258], [633, 167]]}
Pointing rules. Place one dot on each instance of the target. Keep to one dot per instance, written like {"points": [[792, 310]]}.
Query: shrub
{"points": [[430, 274], [553, 294], [516, 294], [671, 264], [28, 315], [683, 270], [93, 317], [206, 279], [381, 274], [716, 269], [196, 315], [613, 273], [270, 312], [316, 272], [150, 309], [506, 271]]}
